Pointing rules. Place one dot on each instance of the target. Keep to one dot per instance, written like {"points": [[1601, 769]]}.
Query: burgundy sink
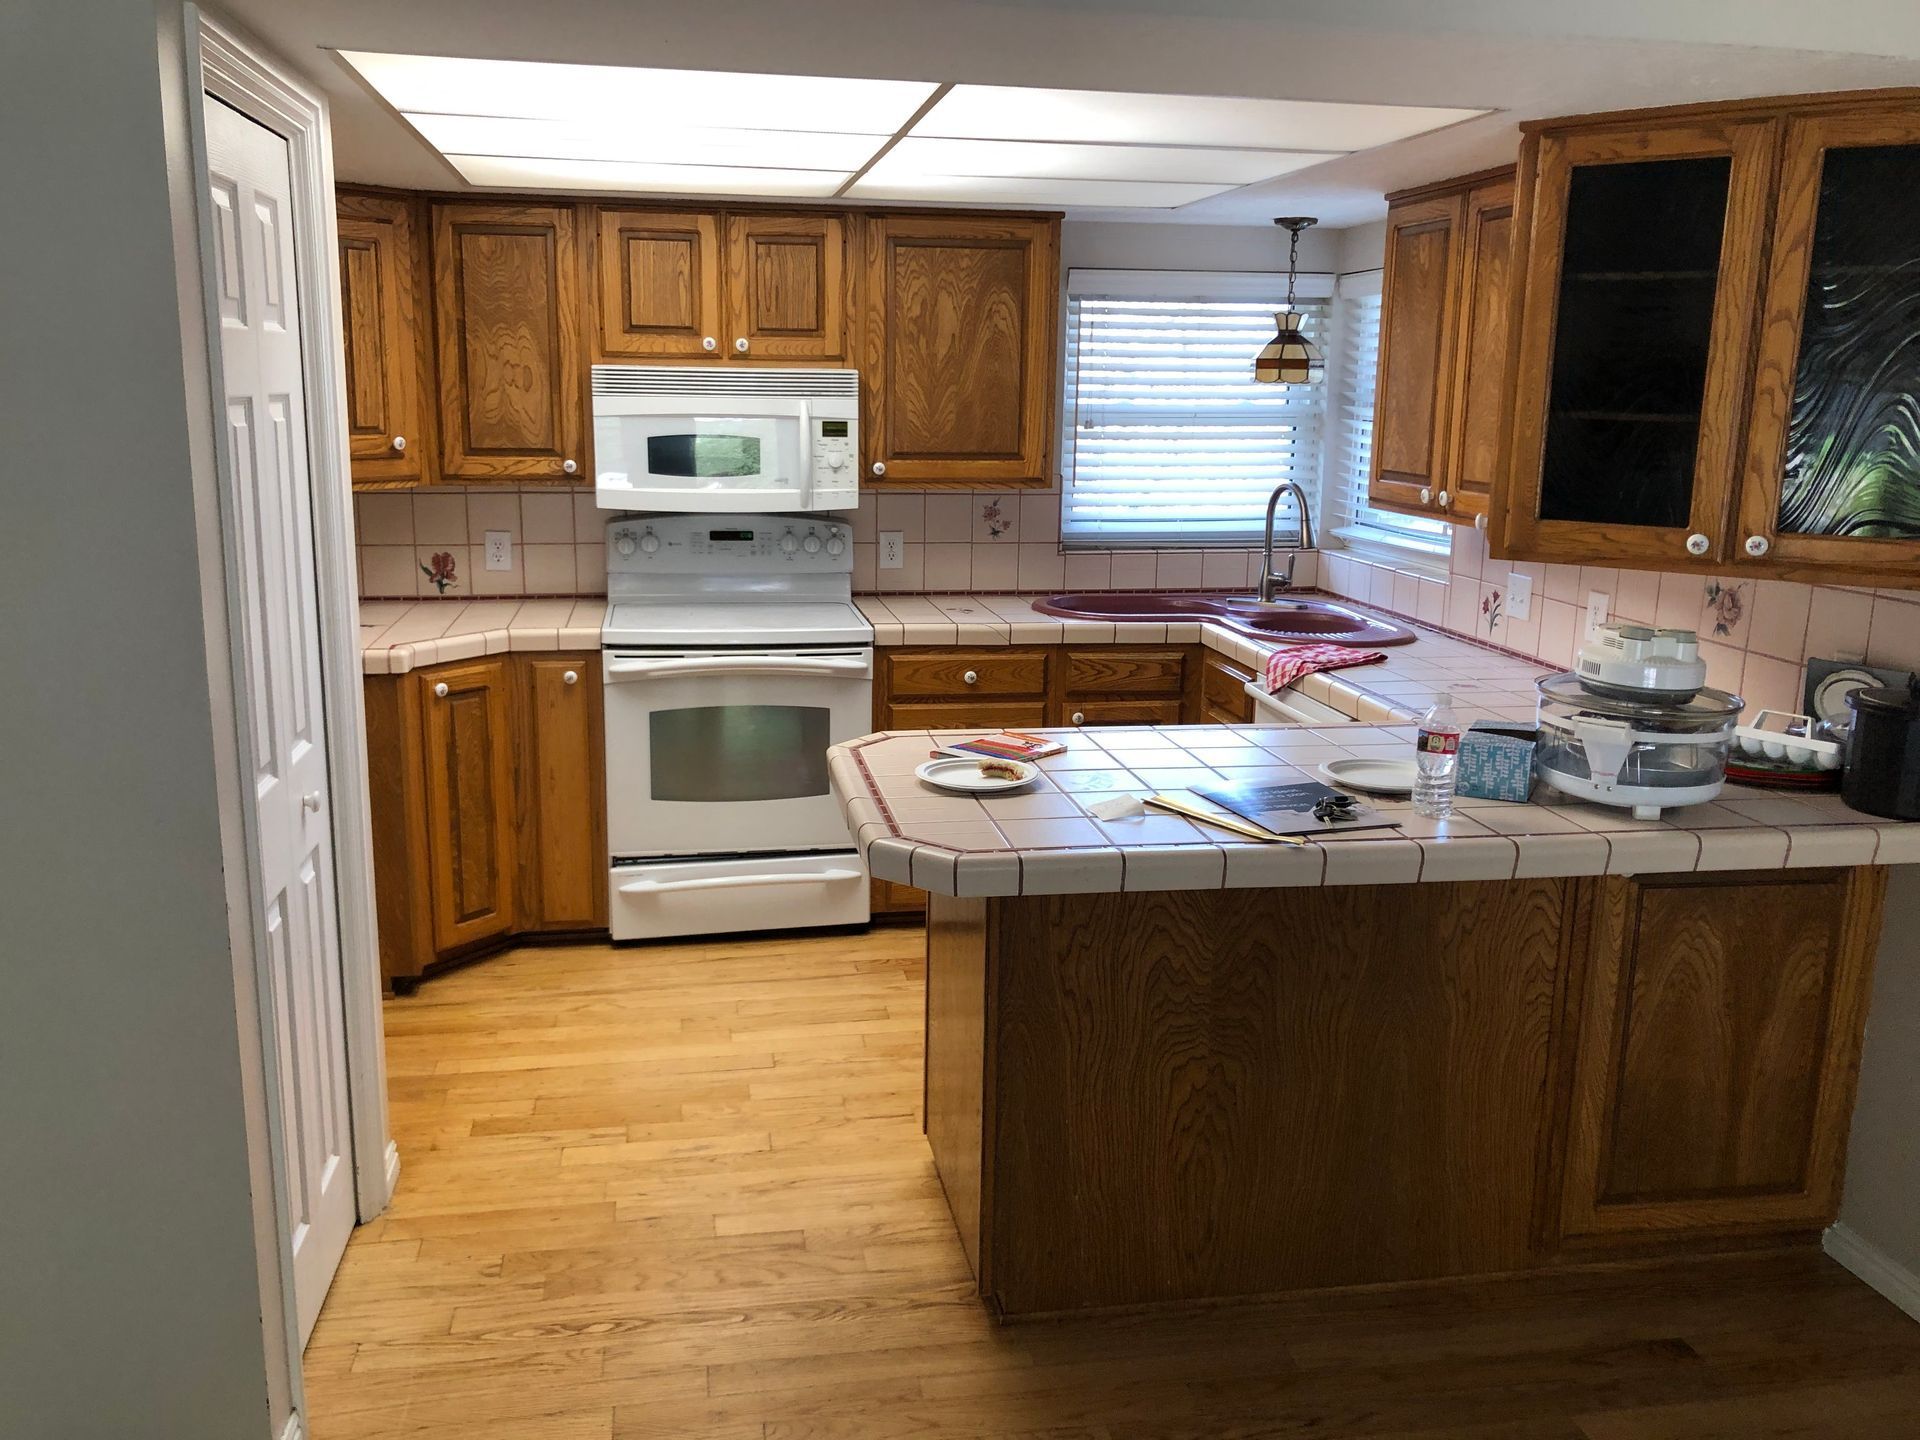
{"points": [[1292, 620]]}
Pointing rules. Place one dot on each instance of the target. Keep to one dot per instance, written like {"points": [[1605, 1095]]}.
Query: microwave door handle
{"points": [[738, 665], [730, 882]]}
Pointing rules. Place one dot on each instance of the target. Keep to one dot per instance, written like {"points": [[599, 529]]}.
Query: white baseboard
{"points": [[293, 1429], [1873, 1265], [393, 1168]]}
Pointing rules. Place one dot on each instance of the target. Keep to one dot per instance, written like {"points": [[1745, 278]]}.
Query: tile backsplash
{"points": [[422, 543]]}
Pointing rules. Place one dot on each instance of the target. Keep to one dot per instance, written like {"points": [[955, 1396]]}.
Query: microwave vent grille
{"points": [[715, 380]]}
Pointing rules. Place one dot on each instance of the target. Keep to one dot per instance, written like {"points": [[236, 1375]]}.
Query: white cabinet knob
{"points": [[1480, 523], [399, 442], [311, 801], [440, 689], [569, 466], [1426, 494], [740, 345], [1446, 498], [571, 677], [1758, 545], [709, 343], [972, 677], [1698, 544], [879, 467], [1079, 717]]}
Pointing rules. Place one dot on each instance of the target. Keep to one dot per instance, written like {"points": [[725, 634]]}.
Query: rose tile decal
{"points": [[442, 571], [996, 519], [1724, 610]]}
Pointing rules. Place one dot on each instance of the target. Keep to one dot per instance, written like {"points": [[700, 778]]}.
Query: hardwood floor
{"points": [[682, 1191]]}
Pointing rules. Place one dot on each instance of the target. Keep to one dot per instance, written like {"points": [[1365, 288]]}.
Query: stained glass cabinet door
{"points": [[1832, 476]]}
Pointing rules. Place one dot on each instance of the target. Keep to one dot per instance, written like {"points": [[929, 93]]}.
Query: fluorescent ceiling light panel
{"points": [[497, 173], [509, 136], [1009, 112], [627, 95], [881, 184], [1067, 161]]}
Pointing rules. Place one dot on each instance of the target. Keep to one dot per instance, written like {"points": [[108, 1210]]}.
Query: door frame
{"points": [[202, 57]]}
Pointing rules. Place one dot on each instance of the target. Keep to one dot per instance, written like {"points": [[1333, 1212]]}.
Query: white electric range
{"points": [[733, 656]]}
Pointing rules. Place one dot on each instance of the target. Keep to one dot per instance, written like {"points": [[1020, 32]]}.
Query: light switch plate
{"points": [[1519, 595], [892, 549], [1599, 607], [499, 549]]}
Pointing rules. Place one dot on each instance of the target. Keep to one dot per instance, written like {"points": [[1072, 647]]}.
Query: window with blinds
{"points": [[1355, 365], [1169, 439]]}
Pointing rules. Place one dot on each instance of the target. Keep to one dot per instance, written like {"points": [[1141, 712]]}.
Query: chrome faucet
{"points": [[1270, 583]]}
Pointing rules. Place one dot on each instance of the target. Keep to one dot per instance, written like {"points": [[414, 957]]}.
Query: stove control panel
{"points": [[728, 545]]}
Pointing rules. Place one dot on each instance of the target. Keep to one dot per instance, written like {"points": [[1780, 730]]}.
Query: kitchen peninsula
{"points": [[1166, 1065]]}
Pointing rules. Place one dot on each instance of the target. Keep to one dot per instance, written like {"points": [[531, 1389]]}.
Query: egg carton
{"points": [[1792, 741]]}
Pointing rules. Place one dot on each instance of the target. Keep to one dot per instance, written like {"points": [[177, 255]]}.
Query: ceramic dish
{"points": [[977, 777], [1374, 777]]}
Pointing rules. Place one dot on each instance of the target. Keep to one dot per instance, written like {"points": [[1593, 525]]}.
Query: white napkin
{"points": [[1120, 807]]}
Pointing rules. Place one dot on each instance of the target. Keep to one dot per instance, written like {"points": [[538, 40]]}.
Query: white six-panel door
{"points": [[265, 427]]}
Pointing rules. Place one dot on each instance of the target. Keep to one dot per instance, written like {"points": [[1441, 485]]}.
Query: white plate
{"points": [[1830, 695], [963, 777], [1375, 777]]}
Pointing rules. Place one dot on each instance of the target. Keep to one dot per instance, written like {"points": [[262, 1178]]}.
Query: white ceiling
{"points": [[1521, 58]]}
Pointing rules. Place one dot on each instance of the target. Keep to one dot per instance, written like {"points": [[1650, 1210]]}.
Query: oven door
{"points": [[725, 751], [728, 457]]}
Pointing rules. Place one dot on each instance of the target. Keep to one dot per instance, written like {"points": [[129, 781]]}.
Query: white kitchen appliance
{"points": [[725, 440], [1633, 724], [733, 656]]}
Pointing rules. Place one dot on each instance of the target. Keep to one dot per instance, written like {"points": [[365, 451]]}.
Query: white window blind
{"points": [[1170, 440], [1356, 363]]}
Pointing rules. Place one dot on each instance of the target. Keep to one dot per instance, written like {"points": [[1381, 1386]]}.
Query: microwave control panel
{"points": [[836, 469]]}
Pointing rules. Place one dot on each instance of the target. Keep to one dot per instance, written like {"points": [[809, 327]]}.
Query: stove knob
{"points": [[835, 545], [649, 543], [811, 544], [623, 542], [788, 544]]}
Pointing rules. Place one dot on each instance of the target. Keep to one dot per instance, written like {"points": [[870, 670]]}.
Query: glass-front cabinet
{"points": [[1833, 465]]}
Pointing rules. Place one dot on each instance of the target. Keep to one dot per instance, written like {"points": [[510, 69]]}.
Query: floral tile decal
{"points": [[1724, 610], [442, 571], [1490, 612], [996, 519]]}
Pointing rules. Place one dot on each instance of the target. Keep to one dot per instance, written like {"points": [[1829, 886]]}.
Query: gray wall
{"points": [[1126, 245], [1882, 1204], [129, 1294]]}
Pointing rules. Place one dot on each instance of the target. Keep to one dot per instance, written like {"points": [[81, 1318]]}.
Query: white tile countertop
{"points": [[401, 635], [1044, 841]]}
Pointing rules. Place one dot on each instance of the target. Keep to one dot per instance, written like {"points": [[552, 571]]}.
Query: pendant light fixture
{"points": [[1290, 358]]}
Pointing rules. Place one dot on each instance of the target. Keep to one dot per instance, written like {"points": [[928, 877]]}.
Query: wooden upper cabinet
{"points": [[1831, 482], [659, 275], [1417, 325], [384, 327], [1717, 1046], [513, 402], [1479, 383], [466, 715], [1644, 255], [960, 376], [787, 287]]}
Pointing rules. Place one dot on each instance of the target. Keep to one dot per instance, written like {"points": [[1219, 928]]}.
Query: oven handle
{"points": [[737, 665], [730, 882]]}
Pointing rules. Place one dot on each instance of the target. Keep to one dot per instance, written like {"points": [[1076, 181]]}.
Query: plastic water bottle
{"points": [[1436, 751]]}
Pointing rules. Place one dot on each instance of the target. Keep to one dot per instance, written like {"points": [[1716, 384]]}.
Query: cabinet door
{"points": [[1832, 482], [787, 279], [1417, 323], [1223, 693], [562, 790], [384, 325], [1479, 387], [507, 311], [470, 828], [659, 277], [961, 349], [1643, 272], [1717, 1049]]}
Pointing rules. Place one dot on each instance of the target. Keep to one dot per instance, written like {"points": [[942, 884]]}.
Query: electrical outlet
{"points": [[499, 549], [892, 549], [1519, 595], [1599, 607]]}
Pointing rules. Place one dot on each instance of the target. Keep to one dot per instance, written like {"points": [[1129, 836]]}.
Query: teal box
{"points": [[1496, 760]]}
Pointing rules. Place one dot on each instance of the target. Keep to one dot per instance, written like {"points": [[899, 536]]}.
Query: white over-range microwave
{"points": [[725, 439]]}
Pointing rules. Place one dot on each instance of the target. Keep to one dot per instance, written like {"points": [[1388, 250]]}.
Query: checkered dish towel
{"points": [[1287, 665]]}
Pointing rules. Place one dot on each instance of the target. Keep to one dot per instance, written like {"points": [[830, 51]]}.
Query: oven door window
{"points": [[728, 754]]}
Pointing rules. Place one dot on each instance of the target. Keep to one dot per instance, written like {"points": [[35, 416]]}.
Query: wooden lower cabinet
{"points": [[1223, 693], [488, 821], [1717, 1047]]}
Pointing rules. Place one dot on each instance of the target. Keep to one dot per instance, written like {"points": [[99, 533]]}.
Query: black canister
{"points": [[1883, 754]]}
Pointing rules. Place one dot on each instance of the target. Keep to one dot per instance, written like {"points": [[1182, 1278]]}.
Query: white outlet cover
{"points": [[1599, 607], [1519, 595], [499, 549], [893, 549]]}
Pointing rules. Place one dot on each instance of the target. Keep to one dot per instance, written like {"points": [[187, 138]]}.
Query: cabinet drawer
{"points": [[1120, 712], [942, 673], [965, 715], [1112, 670], [1222, 692]]}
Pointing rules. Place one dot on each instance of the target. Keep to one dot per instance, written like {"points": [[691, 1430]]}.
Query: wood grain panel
{"points": [[958, 1105], [787, 286], [1139, 711], [1717, 1050], [512, 378], [469, 793], [1110, 670], [960, 379], [1225, 1092], [1223, 691], [389, 359], [1479, 388], [942, 672], [965, 714], [1417, 326], [560, 759], [659, 276], [397, 802]]}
